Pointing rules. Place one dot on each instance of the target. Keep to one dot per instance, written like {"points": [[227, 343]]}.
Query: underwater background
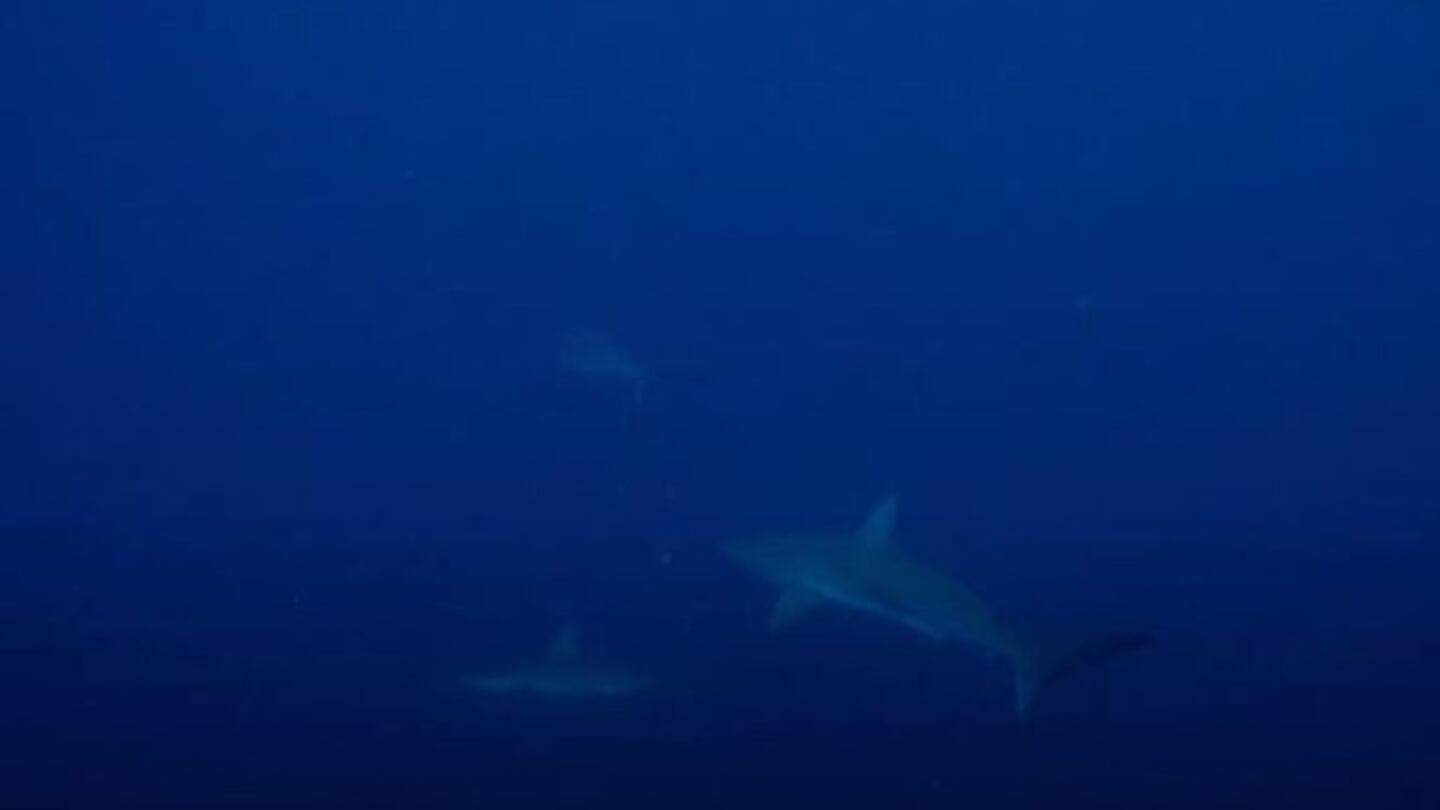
{"points": [[1133, 304]]}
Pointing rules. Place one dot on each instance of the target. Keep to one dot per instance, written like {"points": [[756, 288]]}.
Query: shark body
{"points": [[564, 672], [865, 570], [593, 355]]}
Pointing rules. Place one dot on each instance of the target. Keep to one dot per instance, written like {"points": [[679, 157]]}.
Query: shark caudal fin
{"points": [[1039, 667]]}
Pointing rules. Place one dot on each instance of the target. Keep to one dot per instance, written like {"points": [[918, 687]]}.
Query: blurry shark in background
{"points": [[593, 355], [866, 571], [566, 671]]}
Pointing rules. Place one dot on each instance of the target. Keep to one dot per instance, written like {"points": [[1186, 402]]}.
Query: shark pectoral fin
{"points": [[878, 530], [791, 606]]}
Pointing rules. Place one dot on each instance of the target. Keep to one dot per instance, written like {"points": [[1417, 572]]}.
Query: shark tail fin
{"points": [[1039, 667]]}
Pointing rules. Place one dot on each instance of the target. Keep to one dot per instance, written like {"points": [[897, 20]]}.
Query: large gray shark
{"points": [[566, 671], [866, 571]]}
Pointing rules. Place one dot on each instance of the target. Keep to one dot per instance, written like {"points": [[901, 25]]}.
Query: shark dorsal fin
{"points": [[566, 646], [878, 530]]}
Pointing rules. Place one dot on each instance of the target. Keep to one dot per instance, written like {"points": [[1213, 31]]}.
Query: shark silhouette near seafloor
{"points": [[566, 671]]}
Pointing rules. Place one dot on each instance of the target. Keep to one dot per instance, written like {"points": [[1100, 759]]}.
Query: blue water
{"points": [[1132, 303]]}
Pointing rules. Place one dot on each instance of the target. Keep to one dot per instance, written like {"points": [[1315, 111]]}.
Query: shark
{"points": [[565, 671], [596, 356], [865, 570]]}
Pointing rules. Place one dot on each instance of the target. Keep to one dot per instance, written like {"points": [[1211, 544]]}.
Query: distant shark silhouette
{"points": [[866, 571], [566, 671], [593, 355]]}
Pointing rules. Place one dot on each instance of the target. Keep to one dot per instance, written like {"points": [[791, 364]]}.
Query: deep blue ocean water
{"points": [[1133, 304]]}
